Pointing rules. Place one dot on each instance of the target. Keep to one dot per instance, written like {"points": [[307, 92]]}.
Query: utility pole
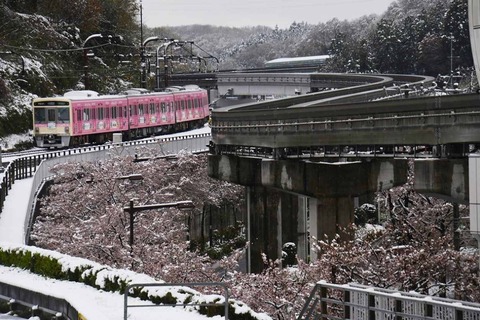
{"points": [[85, 58], [143, 80], [142, 49], [451, 54]]}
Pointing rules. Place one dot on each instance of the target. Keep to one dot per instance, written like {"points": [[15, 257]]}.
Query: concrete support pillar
{"points": [[335, 214], [276, 189], [303, 251], [275, 218], [314, 218], [443, 178], [474, 196], [327, 218], [273, 221]]}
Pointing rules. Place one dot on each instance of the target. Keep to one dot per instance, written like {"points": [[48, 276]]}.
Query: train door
{"points": [[198, 112], [93, 115], [141, 112], [115, 116], [181, 114], [189, 106], [173, 109], [152, 111], [77, 117], [86, 117], [130, 114]]}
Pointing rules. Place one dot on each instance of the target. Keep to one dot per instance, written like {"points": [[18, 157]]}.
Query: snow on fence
{"points": [[38, 166], [353, 301], [212, 301]]}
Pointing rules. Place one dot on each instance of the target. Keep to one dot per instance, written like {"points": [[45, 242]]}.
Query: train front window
{"points": [[51, 115], [63, 115], [40, 115]]}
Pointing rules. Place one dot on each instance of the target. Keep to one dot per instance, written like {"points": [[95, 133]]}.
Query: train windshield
{"points": [[51, 111], [40, 115], [63, 115]]}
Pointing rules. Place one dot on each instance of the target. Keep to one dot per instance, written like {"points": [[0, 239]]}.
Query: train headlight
{"points": [[37, 129], [67, 129]]}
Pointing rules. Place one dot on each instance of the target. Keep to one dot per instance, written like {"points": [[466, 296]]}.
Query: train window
{"points": [[114, 112], [100, 114], [157, 108], [107, 113], [164, 107], [189, 104], [51, 115], [182, 103], [79, 115], [86, 114], [63, 115], [152, 108], [40, 115]]}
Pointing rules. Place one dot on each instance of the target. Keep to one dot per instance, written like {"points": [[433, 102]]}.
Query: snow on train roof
{"points": [[81, 94], [90, 94]]}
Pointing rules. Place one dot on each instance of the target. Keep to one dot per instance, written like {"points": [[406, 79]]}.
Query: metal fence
{"points": [[352, 301], [143, 286]]}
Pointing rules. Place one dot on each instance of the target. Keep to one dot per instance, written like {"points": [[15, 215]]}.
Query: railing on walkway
{"points": [[352, 301], [187, 285]]}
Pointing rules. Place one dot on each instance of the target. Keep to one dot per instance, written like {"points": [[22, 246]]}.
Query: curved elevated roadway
{"points": [[359, 118]]}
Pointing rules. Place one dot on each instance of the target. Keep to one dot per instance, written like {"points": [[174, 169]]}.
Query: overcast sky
{"points": [[239, 13]]}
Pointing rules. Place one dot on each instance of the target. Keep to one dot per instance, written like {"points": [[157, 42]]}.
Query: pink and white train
{"points": [[81, 117]]}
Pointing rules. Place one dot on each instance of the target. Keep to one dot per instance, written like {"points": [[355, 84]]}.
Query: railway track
{"points": [[17, 154]]}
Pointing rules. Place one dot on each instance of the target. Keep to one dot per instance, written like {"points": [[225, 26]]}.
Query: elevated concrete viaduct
{"points": [[289, 200]]}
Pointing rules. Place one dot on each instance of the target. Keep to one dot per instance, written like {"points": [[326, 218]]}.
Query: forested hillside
{"points": [[42, 46], [41, 51], [410, 37]]}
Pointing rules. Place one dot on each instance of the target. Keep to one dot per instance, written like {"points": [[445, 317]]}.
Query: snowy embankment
{"points": [[88, 293], [97, 290]]}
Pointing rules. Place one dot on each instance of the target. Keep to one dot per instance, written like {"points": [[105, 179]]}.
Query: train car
{"points": [[82, 117], [191, 106]]}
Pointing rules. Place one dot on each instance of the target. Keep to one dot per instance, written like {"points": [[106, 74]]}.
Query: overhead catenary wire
{"points": [[69, 50]]}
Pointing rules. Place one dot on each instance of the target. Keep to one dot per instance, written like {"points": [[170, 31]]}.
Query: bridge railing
{"points": [[352, 301]]}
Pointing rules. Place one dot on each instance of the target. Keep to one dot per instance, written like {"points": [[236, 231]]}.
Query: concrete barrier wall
{"points": [[474, 194]]}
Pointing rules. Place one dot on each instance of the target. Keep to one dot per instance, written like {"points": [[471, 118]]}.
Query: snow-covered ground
{"points": [[9, 142], [93, 304]]}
